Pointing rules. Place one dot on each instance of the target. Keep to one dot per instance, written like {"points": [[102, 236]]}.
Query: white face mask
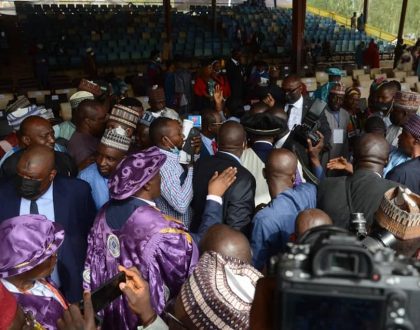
{"points": [[158, 59]]}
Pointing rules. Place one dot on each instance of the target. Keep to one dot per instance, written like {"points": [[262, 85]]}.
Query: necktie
{"points": [[33, 208], [214, 146]]}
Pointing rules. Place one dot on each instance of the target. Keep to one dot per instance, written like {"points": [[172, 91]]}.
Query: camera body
{"points": [[310, 124], [336, 283]]}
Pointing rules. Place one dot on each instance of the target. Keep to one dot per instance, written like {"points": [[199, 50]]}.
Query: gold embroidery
{"points": [[28, 262], [176, 231]]}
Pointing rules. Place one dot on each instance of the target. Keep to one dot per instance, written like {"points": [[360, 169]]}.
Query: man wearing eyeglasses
{"points": [[297, 106]]}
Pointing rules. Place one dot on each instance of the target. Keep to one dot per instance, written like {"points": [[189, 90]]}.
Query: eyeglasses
{"points": [[290, 91]]}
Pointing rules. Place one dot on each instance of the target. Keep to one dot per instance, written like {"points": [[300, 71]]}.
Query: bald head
{"points": [[281, 162], [280, 171], [35, 130], [37, 156], [311, 218], [371, 151], [226, 241], [232, 138], [36, 165]]}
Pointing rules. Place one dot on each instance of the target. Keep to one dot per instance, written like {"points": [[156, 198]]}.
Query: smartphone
{"points": [[196, 119], [106, 293], [187, 145]]}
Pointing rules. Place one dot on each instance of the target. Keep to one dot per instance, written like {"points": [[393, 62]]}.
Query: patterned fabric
{"points": [[116, 138], [16, 117], [78, 97], [409, 101], [46, 310], [91, 87], [37, 238], [399, 213], [21, 102], [124, 115], [157, 245], [176, 192], [412, 126], [134, 171], [219, 293]]}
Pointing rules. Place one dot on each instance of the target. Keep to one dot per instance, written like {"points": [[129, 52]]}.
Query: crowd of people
{"points": [[192, 215]]}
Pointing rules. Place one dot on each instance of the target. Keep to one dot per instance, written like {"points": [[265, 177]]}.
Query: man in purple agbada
{"points": [[129, 230]]}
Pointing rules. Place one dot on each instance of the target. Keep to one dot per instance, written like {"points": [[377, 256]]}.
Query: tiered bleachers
{"points": [[128, 34]]}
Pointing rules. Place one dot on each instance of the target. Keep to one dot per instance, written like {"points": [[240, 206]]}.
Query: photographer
{"points": [[363, 190]]}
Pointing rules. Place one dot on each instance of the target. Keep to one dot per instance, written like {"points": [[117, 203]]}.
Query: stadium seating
{"points": [[128, 34]]}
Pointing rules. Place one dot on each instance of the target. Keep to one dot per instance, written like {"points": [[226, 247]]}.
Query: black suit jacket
{"points": [[75, 210], [299, 149], [235, 75], [366, 191], [238, 201], [64, 164]]}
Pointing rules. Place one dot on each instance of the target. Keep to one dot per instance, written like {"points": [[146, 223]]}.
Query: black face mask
{"points": [[290, 98], [383, 107], [27, 188]]}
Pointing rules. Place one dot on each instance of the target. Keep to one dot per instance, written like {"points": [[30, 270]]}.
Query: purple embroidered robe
{"points": [[158, 245], [46, 311]]}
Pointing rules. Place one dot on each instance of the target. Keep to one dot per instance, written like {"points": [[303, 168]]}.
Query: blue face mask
{"points": [[174, 148]]}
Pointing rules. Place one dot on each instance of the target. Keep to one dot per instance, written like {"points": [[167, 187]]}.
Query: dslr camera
{"points": [[329, 280], [310, 124]]}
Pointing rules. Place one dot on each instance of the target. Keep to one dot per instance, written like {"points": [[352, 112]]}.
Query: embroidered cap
{"points": [[124, 115], [409, 101], [116, 138], [334, 72], [78, 97], [219, 293], [399, 213], [412, 126]]}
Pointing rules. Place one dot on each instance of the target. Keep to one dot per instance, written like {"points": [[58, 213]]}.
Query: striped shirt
{"points": [[176, 189]]}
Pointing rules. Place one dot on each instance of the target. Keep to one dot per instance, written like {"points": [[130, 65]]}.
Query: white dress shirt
{"points": [[295, 113], [45, 205]]}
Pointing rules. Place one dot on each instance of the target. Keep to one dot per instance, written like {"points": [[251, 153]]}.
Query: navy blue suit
{"points": [[204, 151], [213, 214], [262, 149], [75, 210]]}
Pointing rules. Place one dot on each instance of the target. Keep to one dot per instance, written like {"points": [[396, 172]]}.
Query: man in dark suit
{"points": [[236, 77], [362, 191], [297, 107], [238, 201], [211, 121], [36, 189], [35, 130]]}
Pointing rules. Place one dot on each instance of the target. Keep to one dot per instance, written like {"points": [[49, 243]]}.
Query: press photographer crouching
{"points": [[332, 279]]}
